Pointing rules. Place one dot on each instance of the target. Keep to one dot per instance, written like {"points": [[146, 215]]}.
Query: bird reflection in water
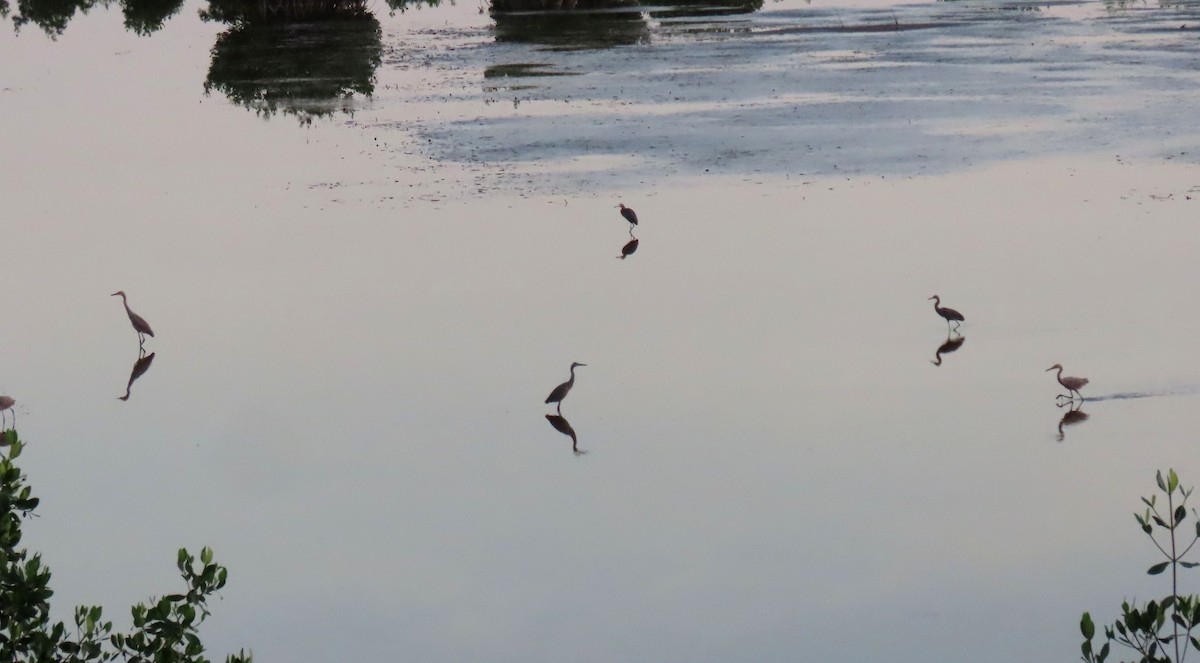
{"points": [[139, 369], [563, 426], [952, 343], [629, 247], [1073, 415]]}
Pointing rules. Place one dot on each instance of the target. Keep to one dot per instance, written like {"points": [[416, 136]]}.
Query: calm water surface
{"points": [[359, 317]]}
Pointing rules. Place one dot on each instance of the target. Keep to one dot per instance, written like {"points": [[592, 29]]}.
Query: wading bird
{"points": [[560, 392], [1072, 384], [948, 313], [6, 404], [139, 324], [630, 215]]}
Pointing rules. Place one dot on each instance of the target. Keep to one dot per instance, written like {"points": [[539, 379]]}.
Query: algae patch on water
{"points": [[522, 70]]}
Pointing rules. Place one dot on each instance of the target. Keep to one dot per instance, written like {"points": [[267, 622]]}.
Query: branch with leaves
{"points": [[1143, 629], [163, 632]]}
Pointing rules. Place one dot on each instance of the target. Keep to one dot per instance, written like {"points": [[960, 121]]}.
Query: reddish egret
{"points": [[6, 404], [948, 313], [560, 392], [630, 215], [1072, 384], [139, 324]]}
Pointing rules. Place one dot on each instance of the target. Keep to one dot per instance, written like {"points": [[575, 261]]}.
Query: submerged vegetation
{"points": [[164, 630], [1158, 631]]}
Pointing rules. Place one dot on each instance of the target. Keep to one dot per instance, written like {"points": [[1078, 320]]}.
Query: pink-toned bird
{"points": [[630, 215], [139, 323], [6, 403], [1072, 384]]}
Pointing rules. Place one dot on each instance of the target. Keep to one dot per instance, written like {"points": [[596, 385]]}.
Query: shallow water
{"points": [[357, 321]]}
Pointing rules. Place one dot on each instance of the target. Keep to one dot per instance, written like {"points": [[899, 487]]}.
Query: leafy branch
{"points": [[165, 631], [1142, 629]]}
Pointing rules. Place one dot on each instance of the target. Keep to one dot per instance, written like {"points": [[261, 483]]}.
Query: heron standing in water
{"points": [[1072, 384], [139, 323], [948, 313], [630, 216], [560, 392]]}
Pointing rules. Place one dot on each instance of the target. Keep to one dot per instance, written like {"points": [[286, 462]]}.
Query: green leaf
{"points": [[1162, 485], [1103, 653], [1087, 627], [1189, 565], [1172, 480], [1157, 568], [1180, 514]]}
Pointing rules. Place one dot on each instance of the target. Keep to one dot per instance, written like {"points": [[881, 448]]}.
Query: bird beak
{"points": [[1048, 369], [114, 294]]}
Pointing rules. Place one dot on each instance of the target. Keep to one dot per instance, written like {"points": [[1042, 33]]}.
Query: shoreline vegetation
{"points": [[164, 629], [148, 16]]}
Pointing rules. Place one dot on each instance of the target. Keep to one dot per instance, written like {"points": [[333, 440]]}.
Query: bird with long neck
{"points": [[948, 313], [630, 216], [1072, 384], [139, 323], [560, 392]]}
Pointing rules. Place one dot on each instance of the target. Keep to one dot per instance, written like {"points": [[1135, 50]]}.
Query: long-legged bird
{"points": [[139, 323], [630, 215], [1072, 384], [948, 313], [560, 392]]}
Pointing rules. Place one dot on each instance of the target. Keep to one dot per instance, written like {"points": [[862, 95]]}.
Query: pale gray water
{"points": [[358, 321]]}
